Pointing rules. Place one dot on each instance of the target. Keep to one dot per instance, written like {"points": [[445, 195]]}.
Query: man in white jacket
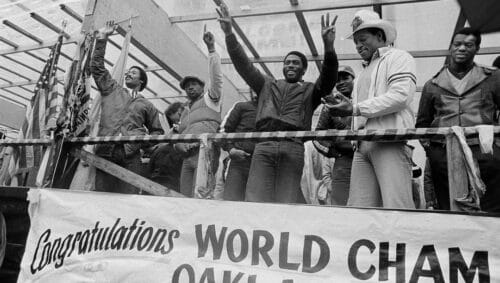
{"points": [[381, 171]]}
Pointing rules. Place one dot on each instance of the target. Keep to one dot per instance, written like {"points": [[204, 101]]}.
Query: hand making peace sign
{"points": [[224, 17], [328, 29]]}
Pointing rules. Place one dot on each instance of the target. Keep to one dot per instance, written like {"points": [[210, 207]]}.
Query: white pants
{"points": [[381, 175]]}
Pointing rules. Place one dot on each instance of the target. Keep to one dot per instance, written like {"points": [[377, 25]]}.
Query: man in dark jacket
{"points": [[462, 94], [240, 118], [124, 111], [165, 163], [283, 105], [342, 151]]}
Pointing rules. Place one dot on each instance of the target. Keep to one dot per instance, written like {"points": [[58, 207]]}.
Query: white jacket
{"points": [[392, 88]]}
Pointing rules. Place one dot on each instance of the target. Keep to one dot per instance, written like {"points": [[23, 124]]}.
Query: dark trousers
{"points": [[275, 172], [108, 183], [236, 180], [489, 166], [190, 169], [188, 175], [341, 179]]}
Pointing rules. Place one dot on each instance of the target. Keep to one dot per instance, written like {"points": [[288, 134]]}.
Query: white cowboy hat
{"points": [[364, 19]]}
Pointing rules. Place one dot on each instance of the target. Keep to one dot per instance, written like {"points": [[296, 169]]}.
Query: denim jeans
{"points": [[381, 176], [236, 180], [341, 177], [108, 183], [275, 172], [188, 175], [189, 170]]}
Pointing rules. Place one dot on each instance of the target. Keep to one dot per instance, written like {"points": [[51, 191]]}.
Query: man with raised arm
{"points": [[124, 112], [283, 105], [201, 115]]}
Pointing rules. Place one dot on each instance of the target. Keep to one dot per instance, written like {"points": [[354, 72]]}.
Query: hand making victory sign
{"points": [[107, 30], [224, 17], [328, 31]]}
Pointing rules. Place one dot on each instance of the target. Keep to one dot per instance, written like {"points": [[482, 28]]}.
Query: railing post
{"points": [[205, 175], [457, 175]]}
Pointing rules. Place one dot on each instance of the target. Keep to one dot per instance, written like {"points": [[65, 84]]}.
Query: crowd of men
{"points": [[368, 173]]}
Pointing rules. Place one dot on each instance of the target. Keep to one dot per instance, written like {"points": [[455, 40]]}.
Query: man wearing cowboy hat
{"points": [[201, 115], [381, 171]]}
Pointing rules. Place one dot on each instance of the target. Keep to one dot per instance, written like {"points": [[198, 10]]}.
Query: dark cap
{"points": [[186, 79]]}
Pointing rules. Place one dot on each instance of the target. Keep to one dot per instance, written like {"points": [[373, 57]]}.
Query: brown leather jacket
{"points": [[442, 106]]}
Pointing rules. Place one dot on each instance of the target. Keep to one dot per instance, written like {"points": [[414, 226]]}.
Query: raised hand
{"points": [[224, 17], [328, 30], [209, 39], [107, 30]]}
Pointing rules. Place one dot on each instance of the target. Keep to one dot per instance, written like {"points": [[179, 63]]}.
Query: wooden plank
{"points": [[250, 47], [22, 31], [457, 175], [71, 12], [307, 35], [48, 24], [17, 103], [205, 176], [124, 174], [22, 64], [14, 72], [333, 135], [47, 44], [17, 95], [24, 142], [9, 42], [282, 8], [355, 56]]}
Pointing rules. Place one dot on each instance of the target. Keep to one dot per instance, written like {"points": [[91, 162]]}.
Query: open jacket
{"points": [[283, 106], [442, 106], [120, 113], [392, 88]]}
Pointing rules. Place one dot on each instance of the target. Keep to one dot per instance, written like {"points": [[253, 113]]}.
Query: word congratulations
{"points": [[136, 237]]}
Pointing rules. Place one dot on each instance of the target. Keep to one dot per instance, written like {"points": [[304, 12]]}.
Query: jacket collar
{"points": [[476, 76], [134, 95], [381, 52]]}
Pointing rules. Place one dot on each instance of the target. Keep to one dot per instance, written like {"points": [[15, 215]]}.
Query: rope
{"points": [[331, 135]]}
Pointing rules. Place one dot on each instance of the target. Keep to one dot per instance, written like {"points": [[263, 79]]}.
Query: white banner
{"points": [[101, 237]]}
